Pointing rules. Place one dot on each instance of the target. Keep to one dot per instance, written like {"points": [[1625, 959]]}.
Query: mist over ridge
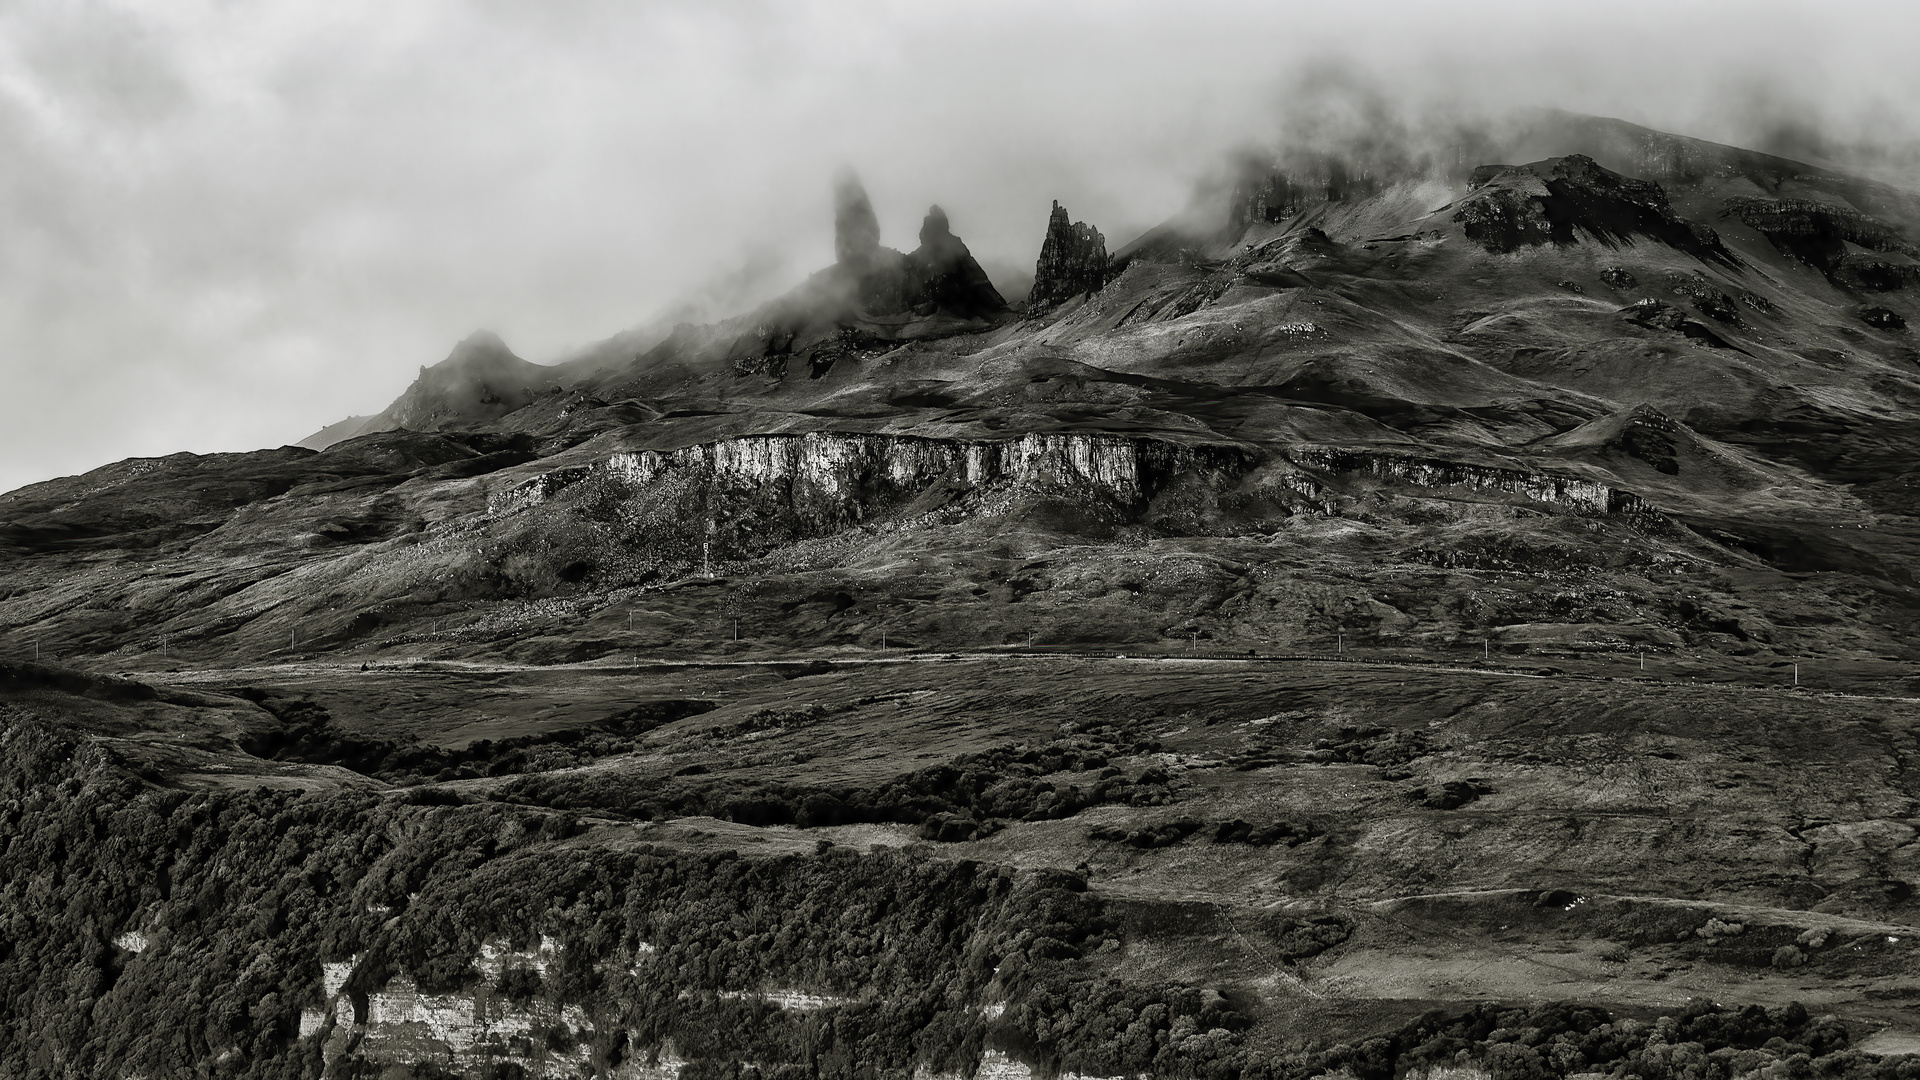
{"points": [[236, 227]]}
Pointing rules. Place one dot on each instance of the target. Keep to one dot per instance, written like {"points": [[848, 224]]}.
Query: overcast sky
{"points": [[227, 224]]}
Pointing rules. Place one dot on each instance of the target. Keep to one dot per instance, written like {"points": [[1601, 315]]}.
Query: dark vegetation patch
{"points": [[1451, 795], [240, 894], [1164, 834], [1702, 1039], [1236, 831], [308, 734], [1367, 745], [968, 797], [1291, 834], [18, 677]]}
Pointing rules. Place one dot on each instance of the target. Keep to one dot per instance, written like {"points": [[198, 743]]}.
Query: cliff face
{"points": [[1545, 489], [470, 1031], [1819, 235], [739, 497]]}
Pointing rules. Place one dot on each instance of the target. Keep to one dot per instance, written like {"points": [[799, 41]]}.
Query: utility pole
{"points": [[1341, 646], [736, 629], [1030, 638], [883, 639], [1796, 673], [1643, 661], [1486, 649], [629, 622]]}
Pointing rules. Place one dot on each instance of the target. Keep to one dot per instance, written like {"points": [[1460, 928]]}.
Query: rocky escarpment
{"points": [[1559, 200], [1822, 235], [741, 497], [737, 496], [1545, 489], [1073, 261]]}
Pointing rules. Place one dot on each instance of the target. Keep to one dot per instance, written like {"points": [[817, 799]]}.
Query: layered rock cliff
{"points": [[741, 497]]}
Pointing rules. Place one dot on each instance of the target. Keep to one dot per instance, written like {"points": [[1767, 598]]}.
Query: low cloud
{"points": [[229, 225]]}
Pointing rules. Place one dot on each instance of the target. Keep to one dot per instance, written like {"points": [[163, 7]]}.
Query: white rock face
{"points": [[496, 956], [995, 1065], [795, 1000], [133, 941], [466, 1030], [1569, 493], [844, 467], [823, 473], [333, 977]]}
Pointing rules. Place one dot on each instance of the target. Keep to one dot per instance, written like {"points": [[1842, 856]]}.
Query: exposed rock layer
{"points": [[1556, 201]]}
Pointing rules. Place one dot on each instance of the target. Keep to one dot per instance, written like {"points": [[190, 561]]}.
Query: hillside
{"points": [[1440, 611]]}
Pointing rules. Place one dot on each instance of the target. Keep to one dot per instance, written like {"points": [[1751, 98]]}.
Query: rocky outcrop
{"points": [[479, 381], [939, 275], [853, 473], [856, 230], [1882, 318], [1825, 236], [474, 1030], [1564, 492], [1561, 200], [1618, 277], [1819, 225], [1073, 261], [877, 275], [1875, 272], [943, 276], [1660, 315], [690, 508]]}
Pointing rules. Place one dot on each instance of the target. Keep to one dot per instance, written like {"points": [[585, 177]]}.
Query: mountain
{"points": [[1432, 609]]}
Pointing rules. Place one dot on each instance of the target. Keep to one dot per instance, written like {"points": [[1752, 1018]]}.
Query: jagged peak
{"points": [[1073, 260]]}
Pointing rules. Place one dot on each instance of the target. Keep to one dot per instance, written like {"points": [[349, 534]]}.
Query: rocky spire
{"points": [[1073, 261], [856, 231]]}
